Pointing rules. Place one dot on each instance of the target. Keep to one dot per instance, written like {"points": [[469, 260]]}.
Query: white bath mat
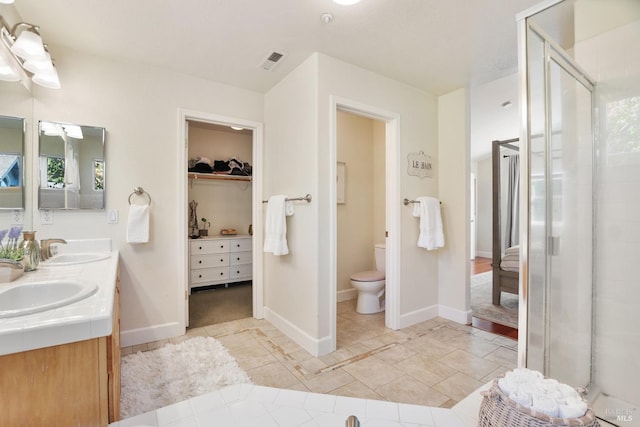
{"points": [[176, 372]]}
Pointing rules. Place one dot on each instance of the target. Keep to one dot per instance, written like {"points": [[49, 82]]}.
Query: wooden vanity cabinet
{"points": [[75, 384]]}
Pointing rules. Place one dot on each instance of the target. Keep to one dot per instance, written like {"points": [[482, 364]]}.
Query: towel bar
{"points": [[407, 201], [139, 191], [306, 198]]}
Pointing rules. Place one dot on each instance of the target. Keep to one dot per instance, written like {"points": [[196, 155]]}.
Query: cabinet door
{"points": [[209, 275], [213, 246], [236, 258], [209, 261], [240, 271], [113, 360], [240, 245]]}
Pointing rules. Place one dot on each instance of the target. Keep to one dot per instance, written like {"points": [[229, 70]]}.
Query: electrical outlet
{"points": [[17, 217], [46, 216]]}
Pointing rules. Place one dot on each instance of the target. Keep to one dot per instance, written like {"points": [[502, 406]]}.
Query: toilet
{"points": [[370, 284]]}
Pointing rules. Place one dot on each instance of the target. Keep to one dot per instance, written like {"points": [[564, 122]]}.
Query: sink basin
{"points": [[77, 258], [41, 296]]}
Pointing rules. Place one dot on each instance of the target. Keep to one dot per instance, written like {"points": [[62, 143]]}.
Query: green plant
{"points": [[205, 223], [9, 248]]}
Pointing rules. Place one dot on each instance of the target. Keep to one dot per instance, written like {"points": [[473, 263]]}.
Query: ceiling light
{"points": [[346, 2], [6, 1], [326, 18], [23, 52]]}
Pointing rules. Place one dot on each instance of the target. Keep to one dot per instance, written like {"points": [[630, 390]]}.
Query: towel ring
{"points": [[139, 191]]}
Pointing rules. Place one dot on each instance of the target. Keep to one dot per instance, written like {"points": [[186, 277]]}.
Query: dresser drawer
{"points": [[210, 260], [209, 247], [240, 245], [240, 271], [236, 258], [209, 274]]}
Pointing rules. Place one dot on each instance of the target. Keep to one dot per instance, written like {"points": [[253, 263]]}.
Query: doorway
{"points": [[221, 174], [361, 221], [389, 180]]}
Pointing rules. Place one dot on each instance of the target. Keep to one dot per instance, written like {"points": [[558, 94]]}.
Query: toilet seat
{"points": [[368, 276]]}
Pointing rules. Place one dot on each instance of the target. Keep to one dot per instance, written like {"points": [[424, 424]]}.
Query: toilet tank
{"points": [[379, 253]]}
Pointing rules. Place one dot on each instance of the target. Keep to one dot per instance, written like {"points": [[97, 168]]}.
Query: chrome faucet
{"points": [[45, 247]]}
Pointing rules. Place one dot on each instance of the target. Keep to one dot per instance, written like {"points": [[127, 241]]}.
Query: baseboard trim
{"points": [[417, 316], [150, 334], [347, 295], [315, 346], [458, 316]]}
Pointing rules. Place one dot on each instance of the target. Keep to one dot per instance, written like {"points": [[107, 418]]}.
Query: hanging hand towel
{"points": [[138, 224], [431, 235], [275, 228]]}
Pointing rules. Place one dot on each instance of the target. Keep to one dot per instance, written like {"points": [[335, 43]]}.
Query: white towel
{"points": [[573, 408], [431, 235], [138, 224], [275, 227]]}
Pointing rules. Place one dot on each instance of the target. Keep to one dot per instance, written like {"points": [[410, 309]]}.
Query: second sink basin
{"points": [[42, 296], [77, 258]]}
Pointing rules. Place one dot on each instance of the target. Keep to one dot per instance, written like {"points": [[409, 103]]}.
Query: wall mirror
{"points": [[71, 166], [11, 162]]}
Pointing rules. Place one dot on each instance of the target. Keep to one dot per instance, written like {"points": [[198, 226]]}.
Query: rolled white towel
{"points": [[573, 408], [555, 394], [531, 389], [522, 398], [545, 405], [508, 385], [568, 391]]}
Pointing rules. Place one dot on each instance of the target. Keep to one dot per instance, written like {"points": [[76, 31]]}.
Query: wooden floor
{"points": [[480, 265], [483, 265]]}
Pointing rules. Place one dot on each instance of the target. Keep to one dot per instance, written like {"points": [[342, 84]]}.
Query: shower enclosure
{"points": [[580, 86]]}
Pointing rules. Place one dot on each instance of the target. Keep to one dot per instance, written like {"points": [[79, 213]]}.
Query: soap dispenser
{"points": [[31, 250]]}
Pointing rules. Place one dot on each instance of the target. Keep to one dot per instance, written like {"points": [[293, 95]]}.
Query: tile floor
{"points": [[435, 363]]}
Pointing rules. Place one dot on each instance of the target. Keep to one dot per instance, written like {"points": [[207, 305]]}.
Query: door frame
{"points": [[182, 289], [392, 210]]}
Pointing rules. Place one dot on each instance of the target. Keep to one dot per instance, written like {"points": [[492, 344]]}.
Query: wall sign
{"points": [[420, 165]]}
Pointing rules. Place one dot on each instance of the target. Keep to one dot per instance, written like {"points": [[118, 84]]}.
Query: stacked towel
{"points": [[275, 228], [431, 235], [530, 389]]}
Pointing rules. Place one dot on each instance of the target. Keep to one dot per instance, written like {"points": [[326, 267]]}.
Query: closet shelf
{"points": [[222, 177]]}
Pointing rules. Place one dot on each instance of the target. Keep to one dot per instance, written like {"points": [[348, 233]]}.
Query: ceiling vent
{"points": [[272, 59]]}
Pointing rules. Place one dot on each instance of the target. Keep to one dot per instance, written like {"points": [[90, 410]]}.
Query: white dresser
{"points": [[217, 260]]}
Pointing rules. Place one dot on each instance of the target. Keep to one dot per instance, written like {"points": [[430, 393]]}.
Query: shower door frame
{"points": [[551, 52]]}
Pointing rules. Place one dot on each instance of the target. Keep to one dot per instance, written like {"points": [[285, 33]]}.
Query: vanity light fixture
{"points": [[24, 57], [6, 1]]}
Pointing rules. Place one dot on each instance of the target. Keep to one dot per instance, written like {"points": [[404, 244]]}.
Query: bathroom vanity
{"points": [[217, 260], [61, 366]]}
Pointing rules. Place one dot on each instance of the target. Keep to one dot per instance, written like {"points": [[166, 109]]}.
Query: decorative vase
{"points": [[31, 251]]}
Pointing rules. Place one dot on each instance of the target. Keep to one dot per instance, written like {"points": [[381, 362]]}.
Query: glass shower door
{"points": [[560, 273]]}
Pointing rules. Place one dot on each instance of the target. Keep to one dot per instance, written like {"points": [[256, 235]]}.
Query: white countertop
{"points": [[82, 320]]}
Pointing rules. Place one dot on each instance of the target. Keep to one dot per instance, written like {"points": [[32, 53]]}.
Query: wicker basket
{"points": [[498, 410]]}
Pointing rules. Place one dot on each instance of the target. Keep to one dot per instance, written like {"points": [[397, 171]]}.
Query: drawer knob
{"points": [[199, 276], [238, 258], [221, 273], [221, 259], [200, 247], [200, 262], [221, 246], [238, 245], [238, 272]]}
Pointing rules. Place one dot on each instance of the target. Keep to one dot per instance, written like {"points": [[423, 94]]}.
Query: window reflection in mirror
{"points": [[71, 164], [11, 162]]}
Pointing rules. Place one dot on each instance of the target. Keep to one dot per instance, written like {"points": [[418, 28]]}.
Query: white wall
{"points": [[138, 106], [453, 136], [298, 114]]}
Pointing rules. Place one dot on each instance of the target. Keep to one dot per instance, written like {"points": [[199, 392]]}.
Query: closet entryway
{"points": [[219, 220]]}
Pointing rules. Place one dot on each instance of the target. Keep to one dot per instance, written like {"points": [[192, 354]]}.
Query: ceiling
{"points": [[434, 45]]}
